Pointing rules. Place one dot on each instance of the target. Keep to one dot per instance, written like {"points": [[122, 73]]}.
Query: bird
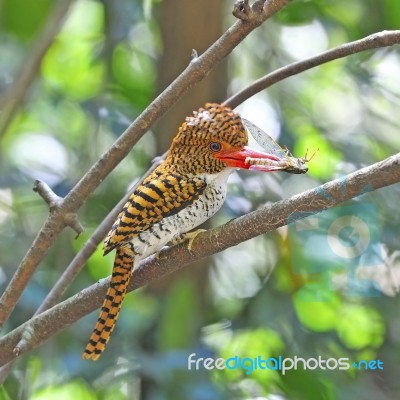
{"points": [[184, 191]]}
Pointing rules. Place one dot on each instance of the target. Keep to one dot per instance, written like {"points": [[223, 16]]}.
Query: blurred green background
{"points": [[108, 62]]}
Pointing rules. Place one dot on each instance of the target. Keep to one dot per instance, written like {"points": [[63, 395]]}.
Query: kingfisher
{"points": [[184, 191]]}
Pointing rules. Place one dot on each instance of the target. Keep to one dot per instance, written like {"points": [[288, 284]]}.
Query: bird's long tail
{"points": [[121, 275]]}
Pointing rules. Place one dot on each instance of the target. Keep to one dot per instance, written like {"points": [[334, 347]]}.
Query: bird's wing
{"points": [[161, 195]]}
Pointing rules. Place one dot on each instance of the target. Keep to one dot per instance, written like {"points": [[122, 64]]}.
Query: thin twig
{"points": [[195, 72], [75, 266], [90, 246], [232, 102], [88, 249], [376, 40], [78, 262], [265, 219], [45, 192], [15, 94], [54, 202]]}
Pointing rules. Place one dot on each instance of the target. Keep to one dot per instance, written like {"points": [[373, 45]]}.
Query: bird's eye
{"points": [[215, 146]]}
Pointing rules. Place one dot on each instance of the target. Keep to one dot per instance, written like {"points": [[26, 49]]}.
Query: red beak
{"points": [[237, 159]]}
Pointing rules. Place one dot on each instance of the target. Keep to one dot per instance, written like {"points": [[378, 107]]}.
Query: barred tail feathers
{"points": [[121, 275]]}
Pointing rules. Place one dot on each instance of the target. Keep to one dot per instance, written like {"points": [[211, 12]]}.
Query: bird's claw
{"points": [[157, 255], [190, 236]]}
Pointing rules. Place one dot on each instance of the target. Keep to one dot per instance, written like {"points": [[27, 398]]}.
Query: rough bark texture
{"points": [[63, 211], [266, 219]]}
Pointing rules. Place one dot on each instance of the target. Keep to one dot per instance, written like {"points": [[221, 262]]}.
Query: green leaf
{"points": [[135, 72], [69, 67], [248, 345], [360, 326], [299, 12], [85, 21], [319, 316], [25, 18], [70, 64]]}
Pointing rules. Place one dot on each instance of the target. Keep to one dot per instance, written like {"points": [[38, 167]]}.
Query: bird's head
{"points": [[211, 140]]}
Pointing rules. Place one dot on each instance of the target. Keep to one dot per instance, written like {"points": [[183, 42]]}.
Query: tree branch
{"points": [[16, 93], [385, 38], [78, 262], [152, 269], [376, 40], [54, 202], [266, 219], [195, 72], [76, 265]]}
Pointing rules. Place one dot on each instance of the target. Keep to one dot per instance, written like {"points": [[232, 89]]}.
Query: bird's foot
{"points": [[157, 255], [190, 236]]}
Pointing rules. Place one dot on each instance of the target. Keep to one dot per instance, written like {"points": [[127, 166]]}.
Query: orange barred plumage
{"points": [[111, 307], [183, 192]]}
